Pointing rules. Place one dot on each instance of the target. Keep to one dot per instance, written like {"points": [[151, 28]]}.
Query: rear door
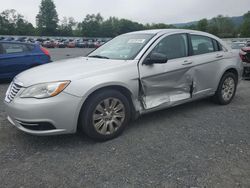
{"points": [[169, 83], [14, 59], [207, 56]]}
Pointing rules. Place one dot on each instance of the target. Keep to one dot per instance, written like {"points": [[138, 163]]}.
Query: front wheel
{"points": [[226, 89], [105, 115]]}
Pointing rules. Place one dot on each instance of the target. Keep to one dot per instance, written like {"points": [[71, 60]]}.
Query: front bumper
{"points": [[51, 116]]}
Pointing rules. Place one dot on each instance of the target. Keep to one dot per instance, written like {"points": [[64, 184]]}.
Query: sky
{"points": [[143, 11]]}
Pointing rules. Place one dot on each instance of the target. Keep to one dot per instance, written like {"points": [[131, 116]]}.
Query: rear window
{"points": [[30, 47], [10, 48]]}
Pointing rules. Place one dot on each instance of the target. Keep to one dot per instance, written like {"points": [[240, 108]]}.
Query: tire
{"points": [[102, 125], [224, 87]]}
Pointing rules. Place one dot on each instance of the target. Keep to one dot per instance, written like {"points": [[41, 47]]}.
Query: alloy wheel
{"points": [[108, 116], [228, 88]]}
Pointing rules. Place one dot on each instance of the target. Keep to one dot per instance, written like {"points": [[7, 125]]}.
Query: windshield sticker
{"points": [[138, 41]]}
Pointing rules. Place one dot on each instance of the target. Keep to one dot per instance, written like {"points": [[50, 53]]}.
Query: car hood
{"points": [[71, 69]]}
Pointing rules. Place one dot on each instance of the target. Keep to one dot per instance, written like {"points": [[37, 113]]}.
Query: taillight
{"points": [[45, 51], [242, 55]]}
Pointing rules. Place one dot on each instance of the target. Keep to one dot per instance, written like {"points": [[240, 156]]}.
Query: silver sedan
{"points": [[133, 74]]}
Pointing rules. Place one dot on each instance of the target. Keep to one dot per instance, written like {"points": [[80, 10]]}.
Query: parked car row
{"points": [[59, 42], [20, 39], [240, 44], [69, 43]]}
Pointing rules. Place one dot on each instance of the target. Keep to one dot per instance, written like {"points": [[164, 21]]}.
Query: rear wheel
{"points": [[105, 115], [226, 89]]}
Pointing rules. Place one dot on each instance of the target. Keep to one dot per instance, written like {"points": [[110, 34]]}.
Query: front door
{"points": [[167, 83]]}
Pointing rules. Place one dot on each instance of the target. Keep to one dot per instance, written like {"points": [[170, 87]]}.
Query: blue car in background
{"points": [[16, 57]]}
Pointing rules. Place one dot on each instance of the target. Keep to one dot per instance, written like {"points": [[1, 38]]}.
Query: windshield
{"points": [[124, 47]]}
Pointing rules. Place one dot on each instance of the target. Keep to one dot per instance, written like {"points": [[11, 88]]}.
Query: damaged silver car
{"points": [[132, 74]]}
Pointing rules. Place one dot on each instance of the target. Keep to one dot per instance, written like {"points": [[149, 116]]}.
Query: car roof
{"points": [[154, 31], [168, 31], [160, 32]]}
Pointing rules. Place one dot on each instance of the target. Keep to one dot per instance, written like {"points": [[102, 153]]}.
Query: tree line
{"points": [[94, 25]]}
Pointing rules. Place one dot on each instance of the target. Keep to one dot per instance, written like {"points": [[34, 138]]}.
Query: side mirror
{"points": [[155, 58]]}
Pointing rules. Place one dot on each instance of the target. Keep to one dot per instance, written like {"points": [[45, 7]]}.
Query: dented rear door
{"points": [[208, 59], [171, 82]]}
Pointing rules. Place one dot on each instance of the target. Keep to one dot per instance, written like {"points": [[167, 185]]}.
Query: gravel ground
{"points": [[198, 144]]}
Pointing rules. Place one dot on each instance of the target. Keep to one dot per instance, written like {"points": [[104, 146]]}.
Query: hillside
{"points": [[237, 20]]}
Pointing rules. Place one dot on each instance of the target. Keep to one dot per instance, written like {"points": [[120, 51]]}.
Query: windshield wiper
{"points": [[99, 56]]}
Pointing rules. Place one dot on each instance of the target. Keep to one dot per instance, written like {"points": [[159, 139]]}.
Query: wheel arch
{"points": [[230, 69], [122, 89]]}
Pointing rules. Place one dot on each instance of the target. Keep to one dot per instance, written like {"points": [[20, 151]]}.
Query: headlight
{"points": [[44, 90]]}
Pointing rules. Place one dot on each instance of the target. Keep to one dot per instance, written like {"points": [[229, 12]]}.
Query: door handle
{"points": [[187, 62], [219, 56]]}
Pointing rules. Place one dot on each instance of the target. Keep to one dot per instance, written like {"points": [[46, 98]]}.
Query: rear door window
{"points": [[10, 48], [202, 44], [30, 47]]}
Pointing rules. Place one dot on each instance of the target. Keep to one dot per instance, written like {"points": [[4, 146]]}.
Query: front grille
{"points": [[14, 88]]}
